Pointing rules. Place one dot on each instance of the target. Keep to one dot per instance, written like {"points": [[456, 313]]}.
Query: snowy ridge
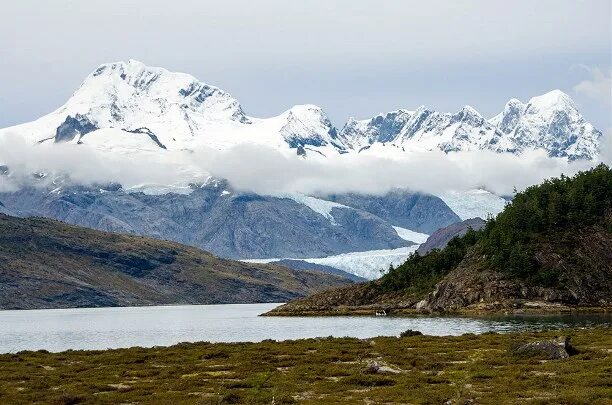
{"points": [[550, 122], [152, 109]]}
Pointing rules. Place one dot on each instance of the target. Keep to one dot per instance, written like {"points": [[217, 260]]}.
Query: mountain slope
{"points": [[550, 247], [440, 238], [49, 264], [213, 217], [415, 211]]}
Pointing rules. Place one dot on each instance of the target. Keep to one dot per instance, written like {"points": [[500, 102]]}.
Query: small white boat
{"points": [[381, 313]]}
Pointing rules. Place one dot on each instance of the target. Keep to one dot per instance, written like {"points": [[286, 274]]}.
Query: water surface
{"points": [[102, 328]]}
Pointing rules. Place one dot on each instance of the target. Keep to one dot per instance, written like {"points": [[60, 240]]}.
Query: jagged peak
{"points": [[514, 102], [130, 68], [422, 109], [469, 110]]}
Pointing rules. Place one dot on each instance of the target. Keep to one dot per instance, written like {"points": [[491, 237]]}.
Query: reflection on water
{"points": [[101, 328]]}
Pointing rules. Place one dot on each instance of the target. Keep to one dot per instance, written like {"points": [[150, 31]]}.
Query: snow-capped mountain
{"points": [[127, 106], [424, 129], [148, 107], [550, 122]]}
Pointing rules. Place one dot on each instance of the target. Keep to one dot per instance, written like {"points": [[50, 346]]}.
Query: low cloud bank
{"points": [[264, 170]]}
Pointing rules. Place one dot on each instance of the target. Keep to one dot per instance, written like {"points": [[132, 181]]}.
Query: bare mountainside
{"points": [[550, 249], [49, 264]]}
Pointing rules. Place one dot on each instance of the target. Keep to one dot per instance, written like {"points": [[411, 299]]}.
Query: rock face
{"points": [[49, 264], [74, 127], [441, 237], [213, 217], [415, 211], [307, 125]]}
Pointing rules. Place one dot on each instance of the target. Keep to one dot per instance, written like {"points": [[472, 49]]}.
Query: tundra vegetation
{"points": [[392, 370]]}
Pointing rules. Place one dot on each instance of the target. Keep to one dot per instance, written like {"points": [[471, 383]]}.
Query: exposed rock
{"points": [[377, 367], [555, 349], [72, 127], [419, 212], [474, 286]]}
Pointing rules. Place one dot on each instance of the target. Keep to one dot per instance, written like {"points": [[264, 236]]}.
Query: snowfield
{"points": [[474, 203]]}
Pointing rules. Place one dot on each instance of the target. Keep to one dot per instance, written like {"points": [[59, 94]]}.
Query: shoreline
{"points": [[412, 312]]}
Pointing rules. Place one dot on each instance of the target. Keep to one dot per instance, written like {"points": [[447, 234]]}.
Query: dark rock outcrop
{"points": [[555, 349], [72, 127]]}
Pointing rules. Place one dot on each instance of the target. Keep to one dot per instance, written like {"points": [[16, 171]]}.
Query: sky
{"points": [[352, 58]]}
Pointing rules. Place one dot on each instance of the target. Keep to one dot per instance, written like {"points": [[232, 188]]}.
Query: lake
{"points": [[102, 328]]}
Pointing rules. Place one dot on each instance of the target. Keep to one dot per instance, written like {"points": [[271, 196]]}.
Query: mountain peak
{"points": [[308, 125], [551, 122], [555, 100]]}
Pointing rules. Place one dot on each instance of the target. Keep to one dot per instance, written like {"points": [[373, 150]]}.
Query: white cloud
{"points": [[598, 87], [266, 171]]}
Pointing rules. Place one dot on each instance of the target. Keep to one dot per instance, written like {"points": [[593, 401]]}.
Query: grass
{"points": [[426, 369]]}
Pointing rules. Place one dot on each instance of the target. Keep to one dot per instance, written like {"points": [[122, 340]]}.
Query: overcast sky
{"points": [[352, 58]]}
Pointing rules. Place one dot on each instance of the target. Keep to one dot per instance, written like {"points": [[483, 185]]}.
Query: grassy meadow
{"points": [[416, 369]]}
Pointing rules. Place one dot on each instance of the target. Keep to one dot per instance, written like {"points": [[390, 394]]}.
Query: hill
{"points": [[440, 238], [49, 264], [551, 248]]}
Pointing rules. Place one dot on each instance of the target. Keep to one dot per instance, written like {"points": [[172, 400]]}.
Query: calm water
{"points": [[101, 328]]}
